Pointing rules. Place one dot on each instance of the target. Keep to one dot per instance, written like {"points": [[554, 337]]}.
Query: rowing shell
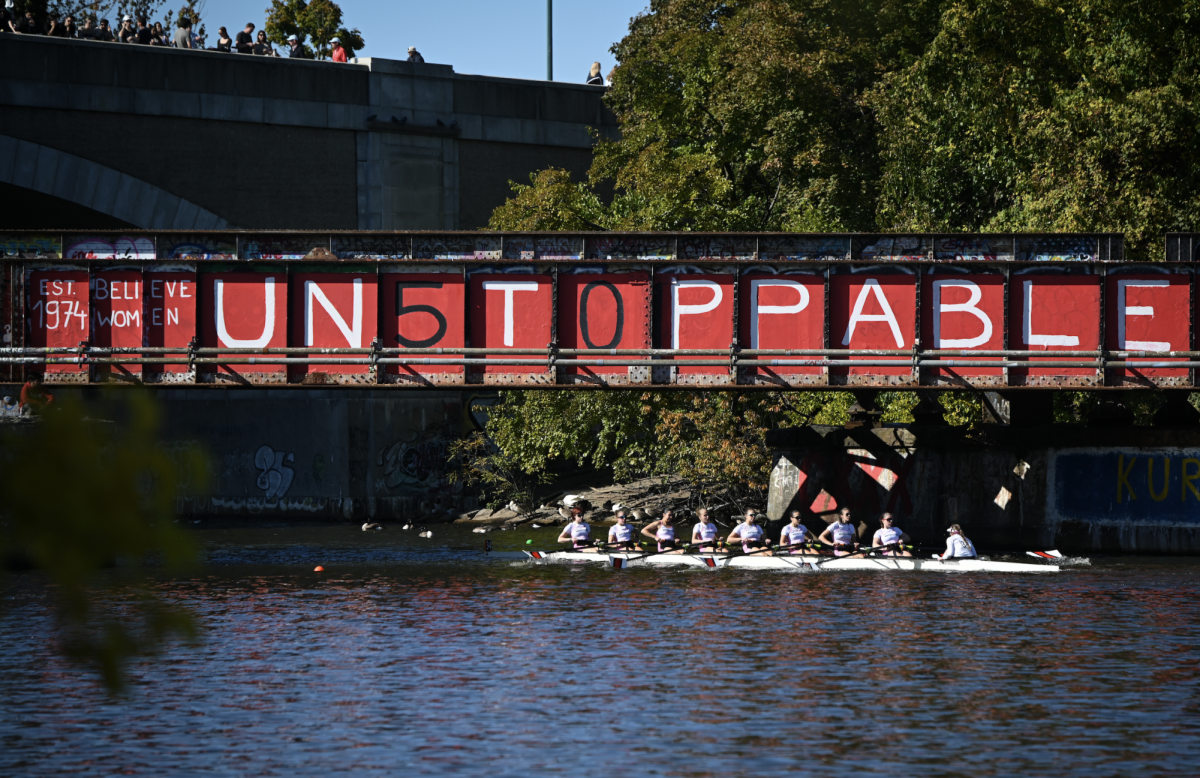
{"points": [[801, 562]]}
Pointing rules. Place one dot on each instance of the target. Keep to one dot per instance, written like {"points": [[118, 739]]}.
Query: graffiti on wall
{"points": [[274, 477], [1127, 485]]}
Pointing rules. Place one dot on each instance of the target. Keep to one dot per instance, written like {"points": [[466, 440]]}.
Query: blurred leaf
{"points": [[90, 504]]}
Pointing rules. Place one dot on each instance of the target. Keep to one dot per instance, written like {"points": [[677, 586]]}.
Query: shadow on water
{"points": [[421, 656]]}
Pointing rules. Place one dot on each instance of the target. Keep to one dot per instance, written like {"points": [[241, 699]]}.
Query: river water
{"points": [[424, 657]]}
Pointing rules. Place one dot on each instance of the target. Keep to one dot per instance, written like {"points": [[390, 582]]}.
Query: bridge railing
{"points": [[596, 310]]}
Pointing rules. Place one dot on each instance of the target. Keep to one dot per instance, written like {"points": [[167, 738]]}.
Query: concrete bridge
{"points": [[108, 136]]}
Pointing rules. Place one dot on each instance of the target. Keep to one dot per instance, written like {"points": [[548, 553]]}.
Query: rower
{"points": [[704, 533], [795, 533], [663, 531], [890, 537], [621, 533], [958, 546], [577, 533], [841, 534], [750, 535]]}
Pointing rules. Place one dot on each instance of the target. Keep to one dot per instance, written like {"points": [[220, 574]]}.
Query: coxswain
{"points": [[890, 537], [750, 535], [663, 531], [578, 533], [958, 546], [620, 535], [841, 534], [704, 533], [794, 533]]}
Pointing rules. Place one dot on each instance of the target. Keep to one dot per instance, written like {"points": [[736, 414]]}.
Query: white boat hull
{"points": [[798, 562]]}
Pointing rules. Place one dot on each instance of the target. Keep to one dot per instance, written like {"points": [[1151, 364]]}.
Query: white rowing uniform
{"points": [[580, 533], [666, 535], [843, 536], [888, 536], [792, 535], [705, 532], [751, 535], [620, 534], [958, 547]]}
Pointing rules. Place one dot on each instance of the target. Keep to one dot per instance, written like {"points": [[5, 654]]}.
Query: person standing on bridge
{"points": [[143, 33], [594, 76], [338, 54], [245, 40], [224, 42], [262, 46], [295, 50], [183, 33], [414, 55]]}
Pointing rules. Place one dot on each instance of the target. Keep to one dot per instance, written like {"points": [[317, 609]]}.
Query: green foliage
{"points": [[315, 21], [1074, 116], [499, 475], [81, 496], [962, 409], [716, 441]]}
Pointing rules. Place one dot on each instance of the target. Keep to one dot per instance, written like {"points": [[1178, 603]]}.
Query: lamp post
{"points": [[549, 40]]}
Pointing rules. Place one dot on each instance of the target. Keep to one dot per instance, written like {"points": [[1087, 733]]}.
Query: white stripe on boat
{"points": [[807, 563]]}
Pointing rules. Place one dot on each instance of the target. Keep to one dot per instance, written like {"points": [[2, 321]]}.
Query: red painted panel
{"points": [[697, 312], [782, 312], [58, 311], [423, 310], [245, 310], [615, 315], [873, 311], [333, 310], [1054, 313], [116, 303], [963, 312], [169, 314], [1147, 312], [510, 309]]}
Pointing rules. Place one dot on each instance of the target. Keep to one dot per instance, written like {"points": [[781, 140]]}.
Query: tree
{"points": [[714, 441], [1020, 115], [881, 115], [318, 21]]}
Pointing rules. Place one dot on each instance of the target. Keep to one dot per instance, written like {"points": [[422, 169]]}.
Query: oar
{"points": [[620, 562], [1045, 554], [852, 553], [789, 547]]}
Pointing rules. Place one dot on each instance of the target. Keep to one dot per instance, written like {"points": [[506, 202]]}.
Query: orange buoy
{"points": [[318, 569]]}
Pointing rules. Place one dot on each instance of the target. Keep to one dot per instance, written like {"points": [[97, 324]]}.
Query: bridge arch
{"points": [[99, 188]]}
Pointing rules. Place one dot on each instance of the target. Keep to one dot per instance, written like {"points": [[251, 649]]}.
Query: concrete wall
{"points": [[325, 454], [1062, 486], [284, 144]]}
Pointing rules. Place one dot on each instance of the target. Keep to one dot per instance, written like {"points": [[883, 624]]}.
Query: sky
{"points": [[499, 38]]}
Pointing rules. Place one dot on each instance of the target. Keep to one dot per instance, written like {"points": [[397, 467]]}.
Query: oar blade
{"points": [[1052, 555]]}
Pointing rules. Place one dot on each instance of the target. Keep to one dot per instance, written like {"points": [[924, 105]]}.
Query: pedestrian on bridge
{"points": [[414, 55], [338, 54]]}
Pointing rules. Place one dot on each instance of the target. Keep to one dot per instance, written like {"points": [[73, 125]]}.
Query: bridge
{"points": [[106, 136], [424, 310], [325, 373]]}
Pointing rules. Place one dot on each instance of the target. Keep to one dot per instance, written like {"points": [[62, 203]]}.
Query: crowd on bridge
{"points": [[187, 35]]}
